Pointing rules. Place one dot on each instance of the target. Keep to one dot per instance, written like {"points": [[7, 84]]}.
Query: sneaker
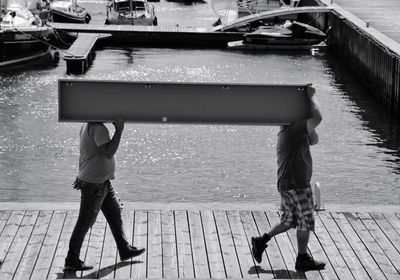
{"points": [[76, 265], [131, 252], [306, 262], [258, 247]]}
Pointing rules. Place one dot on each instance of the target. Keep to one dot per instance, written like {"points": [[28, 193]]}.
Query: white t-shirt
{"points": [[94, 167]]}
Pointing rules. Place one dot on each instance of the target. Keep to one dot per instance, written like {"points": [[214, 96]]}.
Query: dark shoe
{"points": [[131, 252], [258, 246], [76, 265], [306, 262]]}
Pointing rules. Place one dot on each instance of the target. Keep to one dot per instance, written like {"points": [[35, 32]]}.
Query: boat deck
{"points": [[199, 241]]}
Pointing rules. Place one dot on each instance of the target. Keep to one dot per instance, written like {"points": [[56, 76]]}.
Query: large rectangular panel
{"points": [[91, 100]]}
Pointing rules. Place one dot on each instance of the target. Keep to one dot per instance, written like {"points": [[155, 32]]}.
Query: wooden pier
{"points": [[199, 241], [79, 55], [155, 35]]}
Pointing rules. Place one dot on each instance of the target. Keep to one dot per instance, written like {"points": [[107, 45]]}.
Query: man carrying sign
{"points": [[96, 169], [294, 176]]}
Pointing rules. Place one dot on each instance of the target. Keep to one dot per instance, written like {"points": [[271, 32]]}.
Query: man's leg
{"points": [[259, 244], [92, 197], [302, 241], [111, 209], [305, 224]]}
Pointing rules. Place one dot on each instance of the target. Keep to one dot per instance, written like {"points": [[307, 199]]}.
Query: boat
{"points": [[229, 11], [133, 12], [23, 35], [246, 7], [68, 12], [290, 35]]}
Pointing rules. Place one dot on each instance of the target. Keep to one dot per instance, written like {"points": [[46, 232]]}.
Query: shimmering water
{"points": [[357, 160]]}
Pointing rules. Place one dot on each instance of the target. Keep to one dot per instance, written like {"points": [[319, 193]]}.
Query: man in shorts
{"points": [[96, 169], [294, 176]]}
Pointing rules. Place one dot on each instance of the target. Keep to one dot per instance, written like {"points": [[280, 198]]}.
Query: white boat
{"points": [[133, 12], [290, 35], [228, 11], [247, 7], [69, 12], [23, 36]]}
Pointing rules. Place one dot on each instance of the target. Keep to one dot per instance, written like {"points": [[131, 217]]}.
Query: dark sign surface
{"points": [[93, 100]]}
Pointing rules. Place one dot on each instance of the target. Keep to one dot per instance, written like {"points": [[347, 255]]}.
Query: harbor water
{"points": [[356, 161]]}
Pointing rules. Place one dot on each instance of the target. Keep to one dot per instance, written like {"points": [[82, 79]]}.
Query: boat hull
{"points": [[66, 17], [17, 47], [131, 21], [282, 41], [241, 45]]}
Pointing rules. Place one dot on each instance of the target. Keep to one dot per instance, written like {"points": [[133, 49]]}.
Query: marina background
{"points": [[357, 160]]}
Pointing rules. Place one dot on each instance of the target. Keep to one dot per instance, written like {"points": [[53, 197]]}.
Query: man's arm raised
{"points": [[109, 149], [315, 112]]}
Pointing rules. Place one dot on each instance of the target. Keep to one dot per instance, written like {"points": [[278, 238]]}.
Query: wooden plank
{"points": [[390, 251], [243, 247], [154, 260], [8, 234], [49, 246], [157, 102], [370, 243], [123, 269], [4, 216], [318, 252], [170, 258], [108, 256], [95, 247], [32, 250], [228, 249], [336, 260], [389, 231], [18, 246], [394, 220], [214, 254], [358, 247], [200, 260], [244, 206], [287, 250], [343, 246], [139, 265], [185, 257], [56, 270], [278, 265]]}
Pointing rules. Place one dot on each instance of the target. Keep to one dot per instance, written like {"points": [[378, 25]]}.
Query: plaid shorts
{"points": [[298, 209]]}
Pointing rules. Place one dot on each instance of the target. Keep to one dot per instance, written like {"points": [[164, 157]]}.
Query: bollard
{"points": [[317, 196]]}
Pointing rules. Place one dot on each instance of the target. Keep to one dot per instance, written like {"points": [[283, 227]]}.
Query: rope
{"points": [[45, 42]]}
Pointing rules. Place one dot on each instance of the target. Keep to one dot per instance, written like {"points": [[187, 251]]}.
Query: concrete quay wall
{"points": [[374, 57]]}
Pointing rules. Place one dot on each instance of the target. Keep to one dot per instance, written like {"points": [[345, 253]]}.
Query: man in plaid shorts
{"points": [[294, 176]]}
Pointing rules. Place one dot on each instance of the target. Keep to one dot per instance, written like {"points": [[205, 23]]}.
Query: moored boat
{"points": [[290, 35], [23, 37], [133, 12], [68, 12]]}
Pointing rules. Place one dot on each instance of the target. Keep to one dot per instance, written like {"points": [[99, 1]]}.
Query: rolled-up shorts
{"points": [[298, 209]]}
